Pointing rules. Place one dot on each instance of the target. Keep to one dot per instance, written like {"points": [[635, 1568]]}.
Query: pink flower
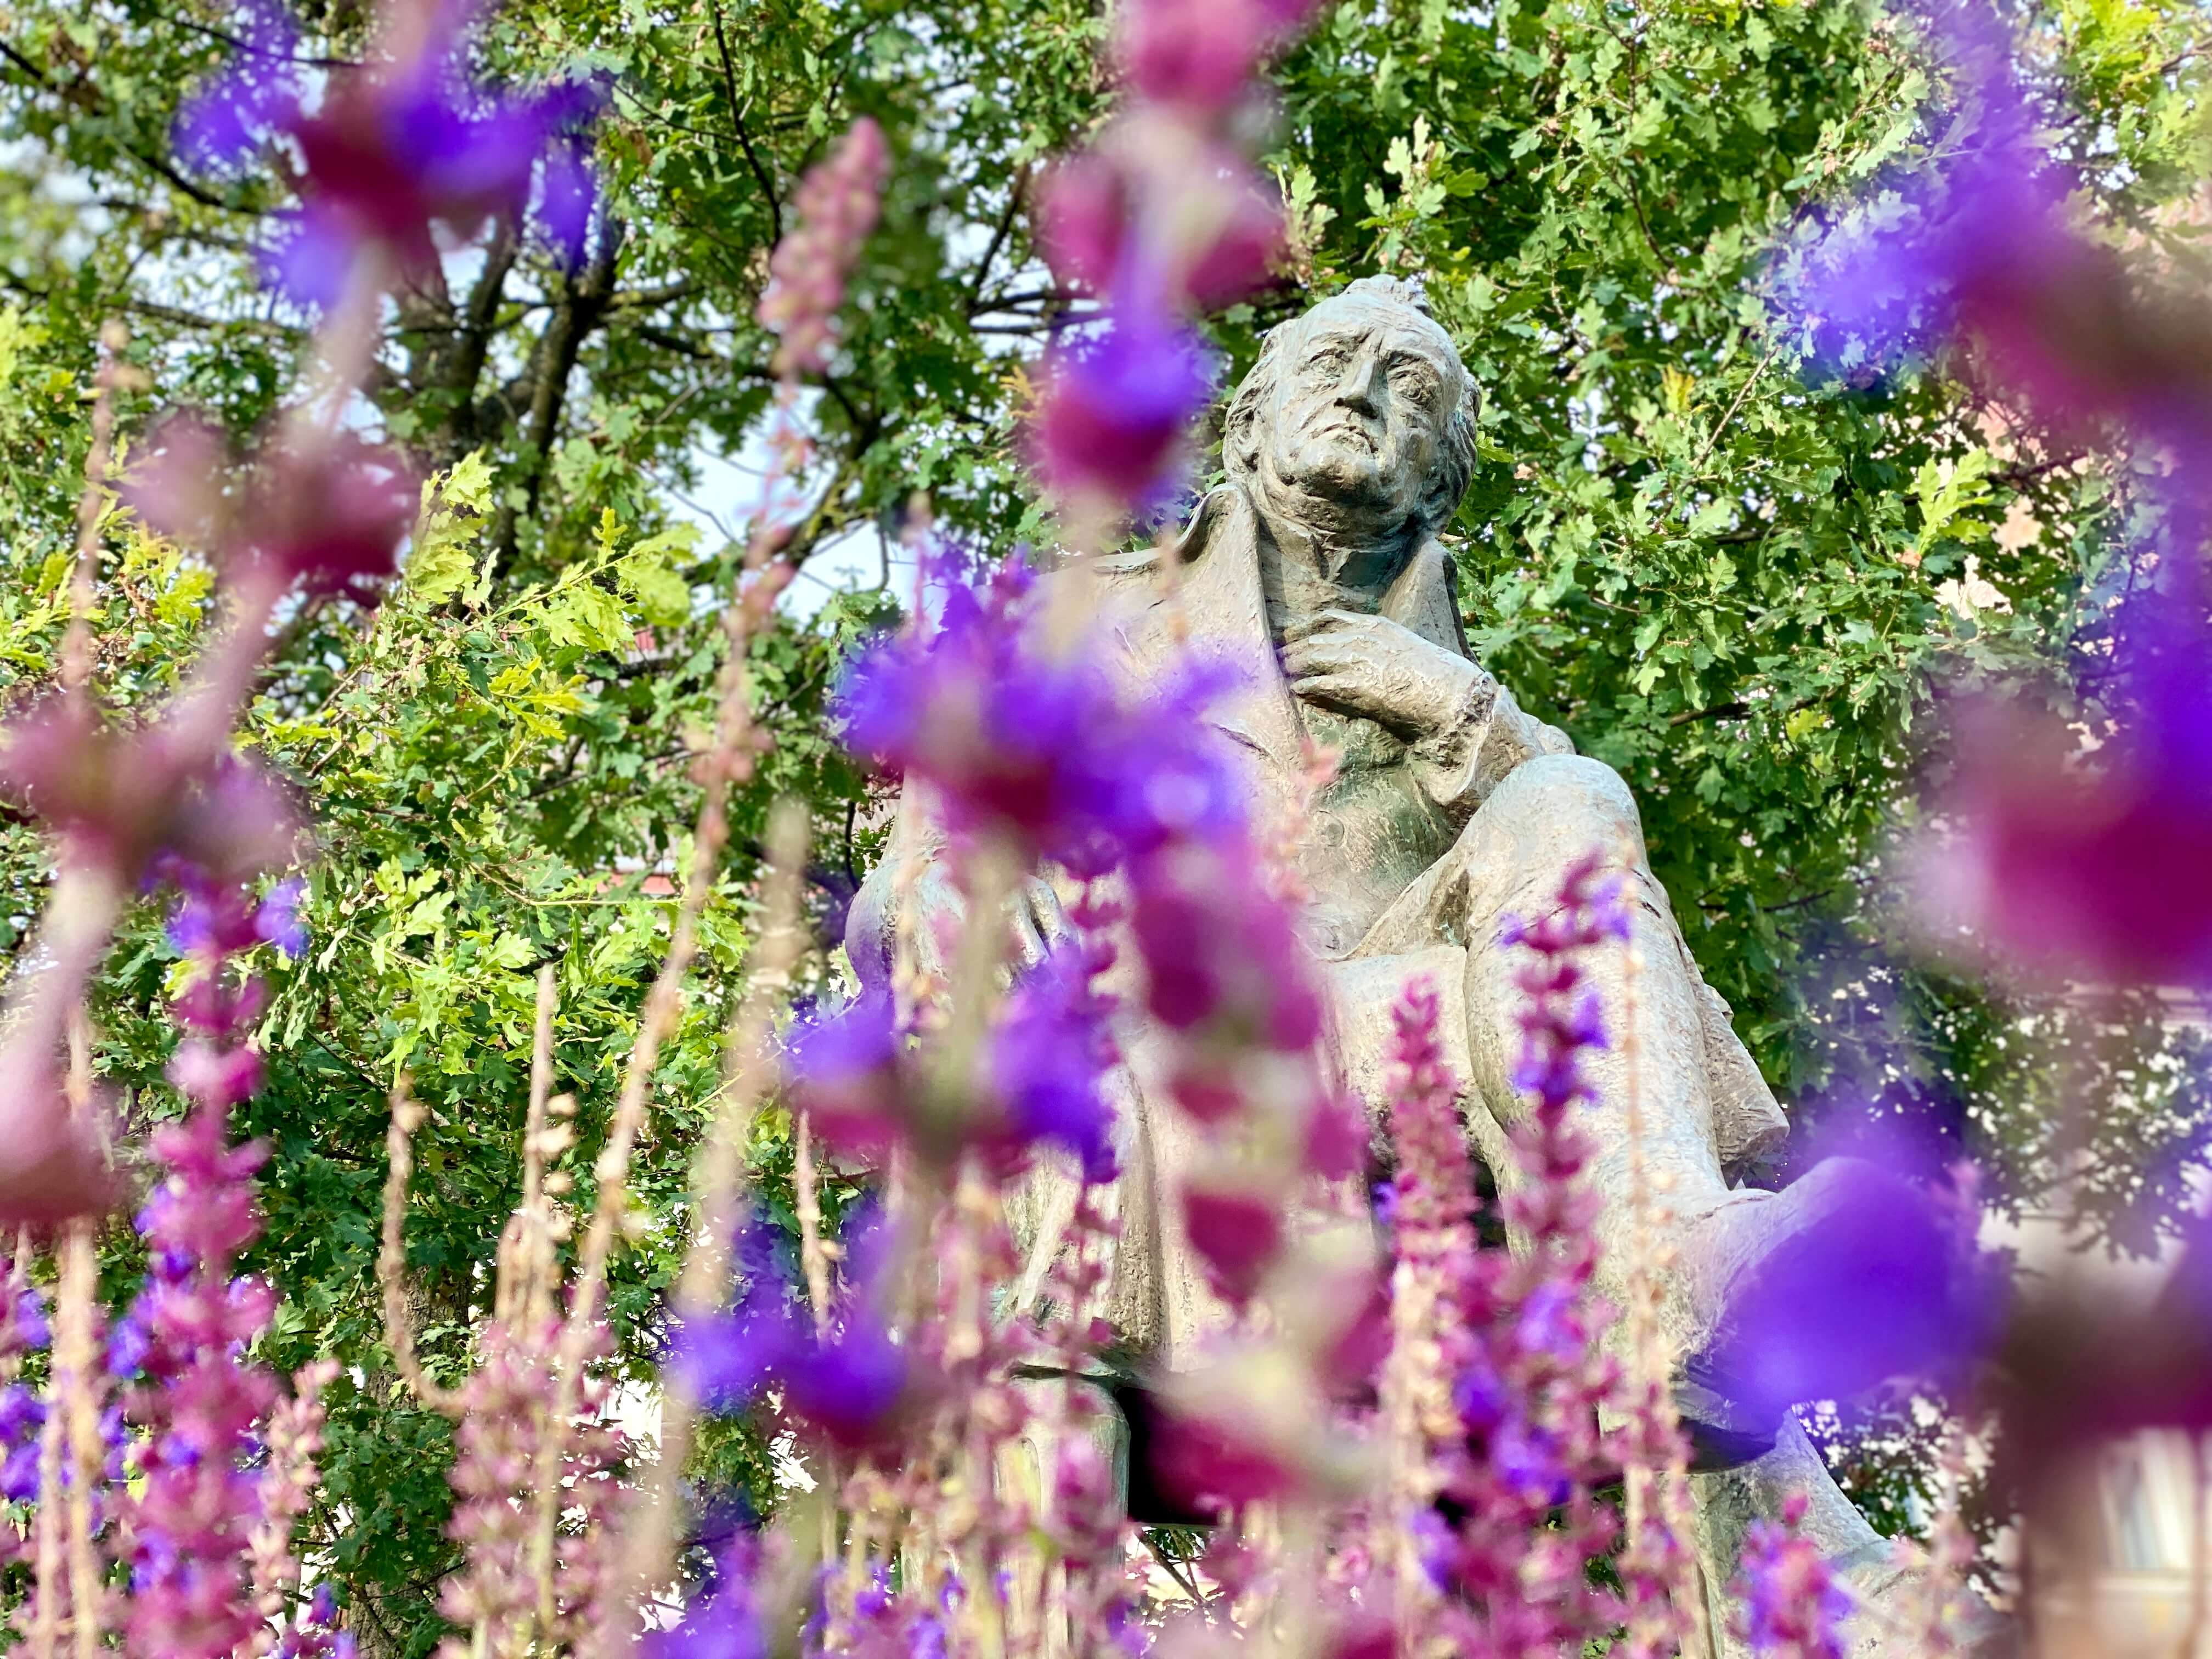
{"points": [[330, 518], [1202, 55], [1218, 244], [1111, 419], [1237, 1230], [837, 204]]}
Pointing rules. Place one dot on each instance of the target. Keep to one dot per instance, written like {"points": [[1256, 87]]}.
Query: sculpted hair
{"points": [[1455, 465]]}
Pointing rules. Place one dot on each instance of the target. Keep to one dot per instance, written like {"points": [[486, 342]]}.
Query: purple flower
{"points": [[724, 1621], [1530, 1460], [232, 115], [1871, 1274], [331, 516], [1037, 744], [1113, 411], [31, 1330], [2083, 865], [393, 153], [1983, 249], [851, 1386], [1203, 54], [1217, 241], [277, 919], [1048, 1054], [19, 1474], [847, 1075], [725, 1358], [1237, 1232], [1793, 1608]]}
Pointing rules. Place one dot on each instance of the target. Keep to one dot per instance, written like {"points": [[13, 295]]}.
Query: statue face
{"points": [[1357, 412]]}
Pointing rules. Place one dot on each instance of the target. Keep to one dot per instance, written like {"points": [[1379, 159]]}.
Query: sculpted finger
{"points": [[1027, 949], [1315, 657], [1345, 691], [1045, 912]]}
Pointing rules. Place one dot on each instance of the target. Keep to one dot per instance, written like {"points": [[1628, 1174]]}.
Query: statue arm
{"points": [[1489, 734]]}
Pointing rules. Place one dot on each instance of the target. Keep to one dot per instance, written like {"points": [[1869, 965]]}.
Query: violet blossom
{"points": [[1036, 745], [852, 1384], [1521, 1494], [394, 153], [2081, 865], [1162, 215], [192, 1516], [329, 516], [1793, 1606], [1115, 409]]}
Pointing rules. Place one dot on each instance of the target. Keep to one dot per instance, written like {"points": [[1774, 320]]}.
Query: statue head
{"points": [[1358, 419]]}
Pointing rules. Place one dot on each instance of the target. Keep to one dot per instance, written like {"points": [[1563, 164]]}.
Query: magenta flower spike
{"points": [[1793, 1606], [837, 204], [1111, 419]]}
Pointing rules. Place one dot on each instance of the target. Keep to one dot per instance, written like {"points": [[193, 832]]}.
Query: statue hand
{"points": [[938, 910], [1358, 664]]}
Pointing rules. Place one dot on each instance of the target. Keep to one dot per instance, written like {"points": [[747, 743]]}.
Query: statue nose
{"points": [[1357, 389]]}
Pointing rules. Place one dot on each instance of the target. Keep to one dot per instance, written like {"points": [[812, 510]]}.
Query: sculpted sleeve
{"points": [[1459, 767], [906, 877], [1489, 734]]}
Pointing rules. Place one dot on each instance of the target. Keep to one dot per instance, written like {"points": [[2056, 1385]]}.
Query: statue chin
{"points": [[1345, 483]]}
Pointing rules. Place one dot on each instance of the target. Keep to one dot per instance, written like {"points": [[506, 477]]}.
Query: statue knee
{"points": [[1570, 804]]}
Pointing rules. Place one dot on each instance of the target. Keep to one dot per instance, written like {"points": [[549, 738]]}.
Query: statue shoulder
{"points": [[1221, 509]]}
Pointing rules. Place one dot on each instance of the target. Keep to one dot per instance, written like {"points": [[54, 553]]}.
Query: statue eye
{"points": [[1414, 378], [1329, 360]]}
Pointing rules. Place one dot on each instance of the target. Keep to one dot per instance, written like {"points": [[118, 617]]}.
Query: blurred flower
{"points": [[721, 1619], [393, 152], [1036, 745], [1202, 55], [1049, 1051], [330, 518], [1112, 411], [1858, 1271], [22, 1415], [230, 116], [1236, 1229], [1793, 1608], [836, 205], [1221, 952], [121, 799], [1984, 249], [846, 1074], [2084, 864], [1151, 199], [851, 1384]]}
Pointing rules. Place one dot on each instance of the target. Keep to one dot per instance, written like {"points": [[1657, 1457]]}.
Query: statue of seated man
{"points": [[1347, 449]]}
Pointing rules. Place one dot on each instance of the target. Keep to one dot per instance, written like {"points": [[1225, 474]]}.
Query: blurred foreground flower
{"points": [[397, 152], [1793, 1608], [837, 204], [329, 514], [2080, 862], [2084, 855], [1162, 216]]}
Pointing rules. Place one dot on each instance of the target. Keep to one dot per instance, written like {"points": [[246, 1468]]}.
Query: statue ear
{"points": [[1239, 454]]}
